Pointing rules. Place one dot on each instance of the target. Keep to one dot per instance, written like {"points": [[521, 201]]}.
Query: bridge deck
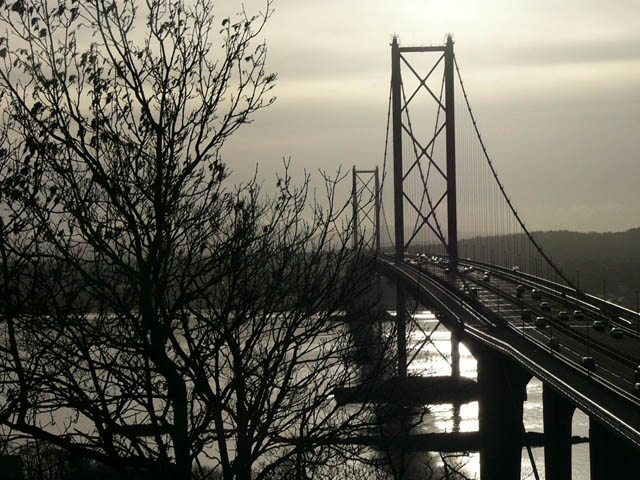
{"points": [[494, 319]]}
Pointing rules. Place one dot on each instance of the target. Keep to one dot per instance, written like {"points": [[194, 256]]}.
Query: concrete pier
{"points": [[558, 416], [611, 456], [502, 392], [412, 391]]}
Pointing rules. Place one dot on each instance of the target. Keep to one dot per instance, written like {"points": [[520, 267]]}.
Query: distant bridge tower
{"points": [[366, 209]]}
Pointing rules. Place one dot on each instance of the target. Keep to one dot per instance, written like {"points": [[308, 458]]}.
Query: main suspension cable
{"points": [[504, 193]]}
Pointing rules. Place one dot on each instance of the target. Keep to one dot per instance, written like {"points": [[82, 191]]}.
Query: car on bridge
{"points": [[564, 316], [588, 363], [616, 332], [541, 322], [578, 315], [536, 294], [636, 389], [598, 325], [545, 307], [486, 277]]}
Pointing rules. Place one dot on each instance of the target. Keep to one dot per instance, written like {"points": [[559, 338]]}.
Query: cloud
{"points": [[568, 53]]}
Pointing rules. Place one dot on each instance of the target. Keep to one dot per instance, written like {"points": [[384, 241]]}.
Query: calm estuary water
{"points": [[433, 360]]}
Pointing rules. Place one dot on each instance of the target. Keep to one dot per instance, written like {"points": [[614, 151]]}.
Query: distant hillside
{"points": [[603, 260], [610, 246]]}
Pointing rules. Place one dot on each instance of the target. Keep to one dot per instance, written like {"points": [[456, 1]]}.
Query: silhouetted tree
{"points": [[152, 317]]}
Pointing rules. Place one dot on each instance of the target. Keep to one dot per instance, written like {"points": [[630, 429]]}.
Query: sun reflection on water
{"points": [[430, 347]]}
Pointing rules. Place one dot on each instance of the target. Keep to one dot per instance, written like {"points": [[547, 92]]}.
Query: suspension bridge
{"points": [[453, 240]]}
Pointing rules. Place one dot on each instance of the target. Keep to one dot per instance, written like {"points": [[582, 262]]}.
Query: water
{"points": [[433, 360]]}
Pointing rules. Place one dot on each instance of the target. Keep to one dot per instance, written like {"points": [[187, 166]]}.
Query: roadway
{"points": [[490, 311]]}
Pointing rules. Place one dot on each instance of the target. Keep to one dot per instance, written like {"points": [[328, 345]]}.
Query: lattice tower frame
{"points": [[366, 209], [400, 105]]}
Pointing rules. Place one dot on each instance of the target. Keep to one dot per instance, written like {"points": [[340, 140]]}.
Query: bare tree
{"points": [[154, 318]]}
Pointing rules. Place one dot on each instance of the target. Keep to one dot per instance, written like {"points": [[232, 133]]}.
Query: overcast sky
{"points": [[555, 87]]}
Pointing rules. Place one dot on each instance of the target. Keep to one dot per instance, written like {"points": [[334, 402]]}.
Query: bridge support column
{"points": [[502, 392], [610, 456], [558, 416], [452, 216], [455, 355], [401, 327]]}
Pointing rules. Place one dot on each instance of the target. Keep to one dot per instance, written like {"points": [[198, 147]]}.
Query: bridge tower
{"points": [[400, 106], [402, 168]]}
